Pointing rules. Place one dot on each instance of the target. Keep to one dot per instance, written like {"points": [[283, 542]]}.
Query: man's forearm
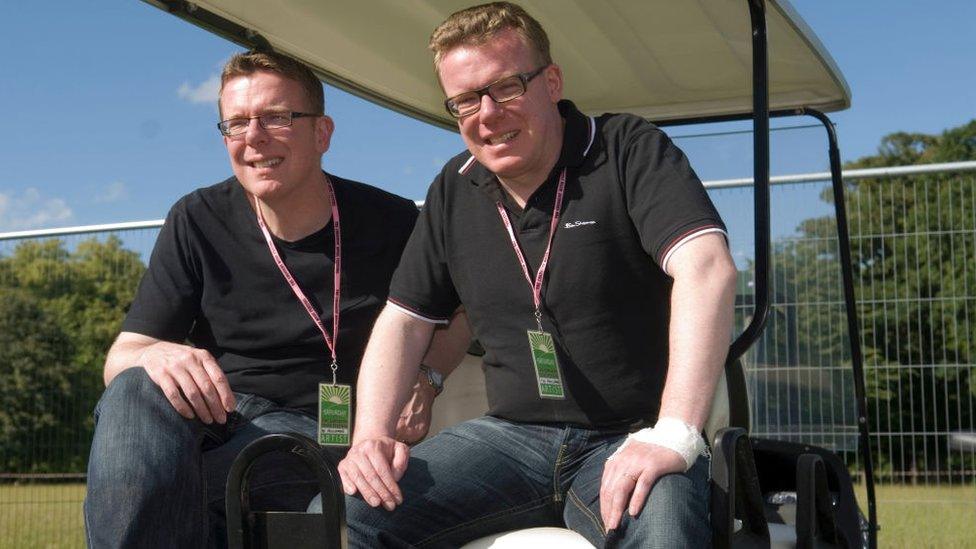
{"points": [[388, 371], [449, 344], [701, 323], [125, 353]]}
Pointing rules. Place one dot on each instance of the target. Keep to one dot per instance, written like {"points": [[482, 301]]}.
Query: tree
{"points": [[59, 311], [36, 379]]}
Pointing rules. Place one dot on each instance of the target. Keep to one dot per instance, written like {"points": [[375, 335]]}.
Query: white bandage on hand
{"points": [[672, 434]]}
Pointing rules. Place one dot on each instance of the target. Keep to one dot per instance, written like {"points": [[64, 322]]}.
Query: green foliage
{"points": [[59, 311], [35, 376], [904, 149]]}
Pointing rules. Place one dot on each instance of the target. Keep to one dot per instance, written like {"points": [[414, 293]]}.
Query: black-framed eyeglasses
{"points": [[233, 127], [500, 91]]}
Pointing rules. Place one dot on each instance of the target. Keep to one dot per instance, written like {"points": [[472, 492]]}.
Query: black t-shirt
{"points": [[212, 281], [630, 199]]}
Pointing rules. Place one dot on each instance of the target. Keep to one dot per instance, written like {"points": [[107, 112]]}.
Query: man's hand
{"points": [[414, 421], [372, 467], [191, 380], [629, 476]]}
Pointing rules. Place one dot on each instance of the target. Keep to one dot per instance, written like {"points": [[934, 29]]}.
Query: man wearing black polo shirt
{"points": [[594, 271], [251, 319]]}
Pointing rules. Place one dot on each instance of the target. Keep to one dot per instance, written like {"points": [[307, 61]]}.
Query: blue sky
{"points": [[108, 117]]}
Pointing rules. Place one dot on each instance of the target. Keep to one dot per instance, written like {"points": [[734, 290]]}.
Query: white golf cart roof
{"points": [[660, 59]]}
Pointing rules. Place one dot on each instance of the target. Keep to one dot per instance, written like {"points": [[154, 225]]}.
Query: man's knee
{"points": [[368, 526], [675, 514], [134, 423], [360, 513], [131, 393]]}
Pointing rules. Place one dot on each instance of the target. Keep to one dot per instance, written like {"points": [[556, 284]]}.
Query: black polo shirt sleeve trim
{"points": [[414, 314], [665, 199], [688, 237], [422, 283]]}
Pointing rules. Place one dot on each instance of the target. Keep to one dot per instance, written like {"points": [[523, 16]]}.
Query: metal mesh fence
{"points": [[913, 242], [61, 302], [917, 244], [914, 247]]}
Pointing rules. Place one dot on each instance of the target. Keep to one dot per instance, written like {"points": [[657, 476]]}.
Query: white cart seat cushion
{"points": [[532, 538]]}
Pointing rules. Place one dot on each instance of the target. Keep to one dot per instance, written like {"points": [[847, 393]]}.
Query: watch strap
{"points": [[435, 378]]}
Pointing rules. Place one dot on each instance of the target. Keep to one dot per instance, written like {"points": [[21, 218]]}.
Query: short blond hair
{"points": [[250, 62], [479, 24]]}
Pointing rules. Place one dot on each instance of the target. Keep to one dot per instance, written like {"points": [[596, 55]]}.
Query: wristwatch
{"points": [[435, 378]]}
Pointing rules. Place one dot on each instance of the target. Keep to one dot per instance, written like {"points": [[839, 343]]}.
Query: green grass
{"points": [[49, 515], [924, 516], [41, 515]]}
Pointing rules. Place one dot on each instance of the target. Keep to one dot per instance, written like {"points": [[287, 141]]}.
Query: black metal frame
{"points": [[762, 266], [214, 23], [853, 327], [760, 117], [249, 530]]}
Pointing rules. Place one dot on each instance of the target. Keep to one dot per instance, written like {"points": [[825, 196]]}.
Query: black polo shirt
{"points": [[631, 198], [213, 282]]}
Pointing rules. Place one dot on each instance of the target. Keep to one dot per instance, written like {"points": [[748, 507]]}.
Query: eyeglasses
{"points": [[233, 127], [500, 91]]}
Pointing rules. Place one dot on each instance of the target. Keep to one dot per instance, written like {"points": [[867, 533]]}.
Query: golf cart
{"points": [[673, 63]]}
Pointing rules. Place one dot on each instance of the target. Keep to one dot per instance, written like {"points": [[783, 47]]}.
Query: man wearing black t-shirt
{"points": [[594, 271], [251, 319]]}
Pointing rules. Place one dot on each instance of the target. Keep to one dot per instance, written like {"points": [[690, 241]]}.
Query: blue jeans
{"points": [[489, 475], [156, 479]]}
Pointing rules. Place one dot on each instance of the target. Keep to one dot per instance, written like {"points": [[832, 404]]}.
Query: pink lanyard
{"points": [[540, 275], [337, 270]]}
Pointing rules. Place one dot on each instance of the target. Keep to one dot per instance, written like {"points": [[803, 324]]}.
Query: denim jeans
{"points": [[156, 479], [489, 475]]}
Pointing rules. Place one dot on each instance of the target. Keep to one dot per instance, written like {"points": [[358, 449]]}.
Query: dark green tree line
{"points": [[59, 311]]}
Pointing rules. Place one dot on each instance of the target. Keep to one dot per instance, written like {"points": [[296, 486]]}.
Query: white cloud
{"points": [[113, 192], [204, 92], [30, 210]]}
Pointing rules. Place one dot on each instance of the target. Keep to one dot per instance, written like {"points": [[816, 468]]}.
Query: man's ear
{"points": [[324, 126], [554, 82]]}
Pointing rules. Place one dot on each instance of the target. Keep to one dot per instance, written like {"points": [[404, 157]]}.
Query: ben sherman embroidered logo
{"points": [[571, 224]]}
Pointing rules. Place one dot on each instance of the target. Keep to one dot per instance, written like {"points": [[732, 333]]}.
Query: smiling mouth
{"points": [[269, 163], [503, 138]]}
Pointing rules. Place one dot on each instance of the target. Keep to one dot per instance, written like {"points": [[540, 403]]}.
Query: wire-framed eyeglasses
{"points": [[234, 127]]}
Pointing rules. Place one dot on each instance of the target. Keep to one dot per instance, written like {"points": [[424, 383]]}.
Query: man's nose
{"points": [[255, 132], [489, 107]]}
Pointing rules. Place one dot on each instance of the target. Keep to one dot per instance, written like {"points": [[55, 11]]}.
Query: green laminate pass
{"points": [[546, 367], [335, 414]]}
